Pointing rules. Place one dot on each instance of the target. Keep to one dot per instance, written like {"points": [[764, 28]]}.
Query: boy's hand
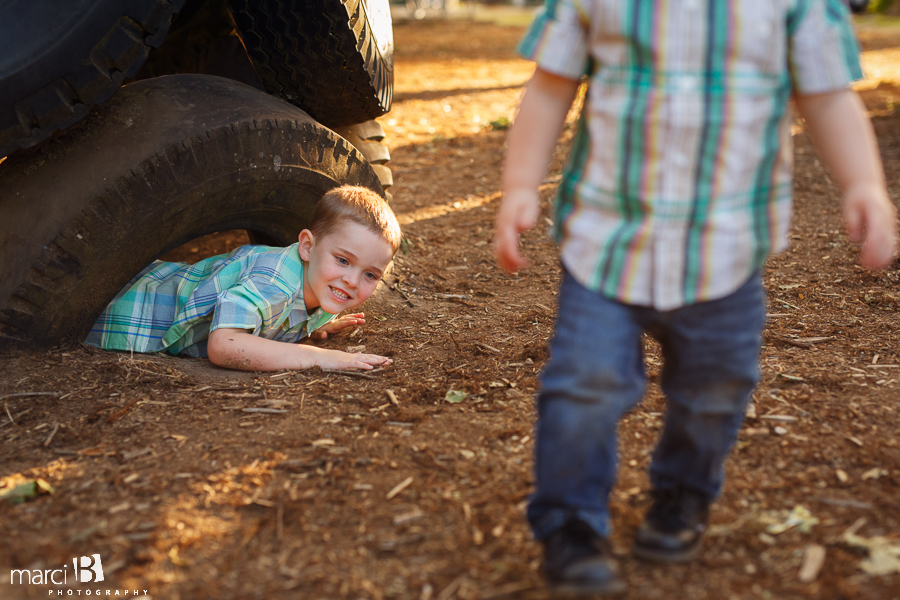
{"points": [[339, 361], [871, 219], [842, 133], [337, 325], [518, 212]]}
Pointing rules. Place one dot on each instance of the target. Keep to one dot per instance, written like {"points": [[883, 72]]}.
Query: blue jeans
{"points": [[596, 373]]}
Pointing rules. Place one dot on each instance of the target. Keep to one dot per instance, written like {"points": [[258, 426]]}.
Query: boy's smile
{"points": [[343, 266]]}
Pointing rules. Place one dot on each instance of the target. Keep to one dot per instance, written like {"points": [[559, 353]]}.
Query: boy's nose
{"points": [[351, 279]]}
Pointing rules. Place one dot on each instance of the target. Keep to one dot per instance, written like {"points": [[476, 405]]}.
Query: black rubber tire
{"points": [[367, 138], [60, 58], [332, 58], [166, 160]]}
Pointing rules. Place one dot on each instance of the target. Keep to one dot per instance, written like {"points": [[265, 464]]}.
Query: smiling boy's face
{"points": [[343, 266]]}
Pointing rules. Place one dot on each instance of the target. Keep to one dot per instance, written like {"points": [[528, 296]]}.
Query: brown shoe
{"points": [[673, 529], [578, 562]]}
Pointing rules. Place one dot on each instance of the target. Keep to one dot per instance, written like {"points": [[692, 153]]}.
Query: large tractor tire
{"points": [[60, 58], [332, 58], [167, 160]]}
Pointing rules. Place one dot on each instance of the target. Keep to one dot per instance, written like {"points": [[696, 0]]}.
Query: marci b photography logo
{"points": [[87, 569]]}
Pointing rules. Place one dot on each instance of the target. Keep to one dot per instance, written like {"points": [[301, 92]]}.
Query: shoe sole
{"points": [[668, 557], [576, 591]]}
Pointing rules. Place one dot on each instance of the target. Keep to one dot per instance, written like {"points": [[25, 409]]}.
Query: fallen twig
{"points": [[349, 373], [399, 487], [24, 394], [121, 412], [268, 411], [453, 339], [785, 340], [845, 503], [486, 347], [392, 397], [52, 433], [20, 415]]}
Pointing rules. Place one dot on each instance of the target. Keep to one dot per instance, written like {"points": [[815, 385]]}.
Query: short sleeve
{"points": [[557, 39], [823, 52], [245, 306]]}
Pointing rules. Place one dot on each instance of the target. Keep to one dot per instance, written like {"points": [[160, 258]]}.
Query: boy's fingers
{"points": [[506, 247], [853, 219], [879, 247]]}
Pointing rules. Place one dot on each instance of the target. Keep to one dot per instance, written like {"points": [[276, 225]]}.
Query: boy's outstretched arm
{"points": [[240, 349], [843, 136], [529, 149]]}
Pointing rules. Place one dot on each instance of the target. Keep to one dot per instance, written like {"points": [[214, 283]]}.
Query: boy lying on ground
{"points": [[235, 307]]}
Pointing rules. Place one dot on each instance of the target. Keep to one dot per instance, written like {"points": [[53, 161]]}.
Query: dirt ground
{"points": [[379, 486]]}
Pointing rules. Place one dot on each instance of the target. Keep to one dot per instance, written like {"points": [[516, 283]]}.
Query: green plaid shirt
{"points": [[172, 307], [679, 181]]}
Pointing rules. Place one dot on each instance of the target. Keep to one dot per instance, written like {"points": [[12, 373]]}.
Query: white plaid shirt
{"points": [[679, 181]]}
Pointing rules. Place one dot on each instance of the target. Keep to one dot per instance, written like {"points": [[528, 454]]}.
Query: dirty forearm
{"points": [[240, 349]]}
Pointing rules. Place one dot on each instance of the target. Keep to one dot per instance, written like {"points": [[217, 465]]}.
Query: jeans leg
{"points": [[711, 353], [595, 373]]}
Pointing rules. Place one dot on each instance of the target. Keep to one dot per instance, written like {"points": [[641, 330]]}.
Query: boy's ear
{"points": [[306, 242]]}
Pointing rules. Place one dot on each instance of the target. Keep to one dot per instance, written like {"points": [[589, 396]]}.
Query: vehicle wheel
{"points": [[332, 58], [59, 58], [166, 160], [368, 138]]}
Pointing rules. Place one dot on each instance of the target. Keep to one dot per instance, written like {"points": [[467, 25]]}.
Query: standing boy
{"points": [[237, 307], [677, 188]]}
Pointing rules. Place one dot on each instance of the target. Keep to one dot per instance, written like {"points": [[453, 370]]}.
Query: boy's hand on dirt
{"points": [[518, 212], [871, 219], [339, 324], [339, 361]]}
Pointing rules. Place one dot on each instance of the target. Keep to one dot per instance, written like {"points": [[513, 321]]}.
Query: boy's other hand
{"points": [[871, 220], [337, 325], [340, 361], [518, 212]]}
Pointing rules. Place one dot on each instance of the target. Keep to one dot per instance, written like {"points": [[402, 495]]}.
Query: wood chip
{"points": [[119, 508], [855, 440], [323, 442], [813, 559], [268, 411], [781, 418], [392, 397], [413, 515], [399, 487], [486, 347], [815, 340], [135, 453]]}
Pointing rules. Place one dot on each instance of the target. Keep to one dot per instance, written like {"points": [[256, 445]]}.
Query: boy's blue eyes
{"points": [[369, 275]]}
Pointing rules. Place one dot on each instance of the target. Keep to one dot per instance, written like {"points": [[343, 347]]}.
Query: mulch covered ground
{"points": [[410, 482]]}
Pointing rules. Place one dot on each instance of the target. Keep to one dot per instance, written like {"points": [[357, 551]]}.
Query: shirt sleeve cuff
{"points": [[556, 46], [824, 55], [236, 313]]}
